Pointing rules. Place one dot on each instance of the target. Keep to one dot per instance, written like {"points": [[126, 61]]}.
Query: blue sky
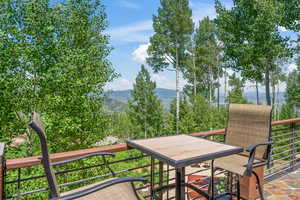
{"points": [[130, 26]]}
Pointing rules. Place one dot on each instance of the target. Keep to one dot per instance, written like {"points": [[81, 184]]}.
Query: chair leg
{"points": [[259, 186], [211, 184], [230, 182], [238, 193]]}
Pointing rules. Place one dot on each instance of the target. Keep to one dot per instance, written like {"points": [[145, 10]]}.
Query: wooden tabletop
{"points": [[183, 150]]}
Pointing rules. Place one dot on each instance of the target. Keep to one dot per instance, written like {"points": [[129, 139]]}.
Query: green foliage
{"points": [[54, 60], [145, 110], [207, 66], [290, 11], [186, 121], [287, 112], [249, 32], [292, 95], [173, 26], [198, 115], [237, 88]]}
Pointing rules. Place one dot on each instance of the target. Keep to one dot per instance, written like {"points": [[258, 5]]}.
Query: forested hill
{"points": [[117, 100]]}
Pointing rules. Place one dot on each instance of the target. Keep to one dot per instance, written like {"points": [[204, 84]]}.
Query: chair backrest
{"points": [[37, 125], [249, 124]]}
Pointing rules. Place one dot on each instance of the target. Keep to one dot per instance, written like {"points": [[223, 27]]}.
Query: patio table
{"points": [[181, 151]]}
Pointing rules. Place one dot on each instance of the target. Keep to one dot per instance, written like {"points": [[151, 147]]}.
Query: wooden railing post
{"points": [[2, 167]]}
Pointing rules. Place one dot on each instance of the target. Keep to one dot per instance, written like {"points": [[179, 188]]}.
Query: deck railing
{"points": [[21, 181]]}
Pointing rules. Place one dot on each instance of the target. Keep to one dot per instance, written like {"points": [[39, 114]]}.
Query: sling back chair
{"points": [[249, 126], [111, 189]]}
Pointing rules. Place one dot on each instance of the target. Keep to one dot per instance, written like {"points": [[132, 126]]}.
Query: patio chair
{"points": [[111, 189], [249, 126]]}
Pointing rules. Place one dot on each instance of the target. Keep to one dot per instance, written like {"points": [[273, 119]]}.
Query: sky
{"points": [[130, 27]]}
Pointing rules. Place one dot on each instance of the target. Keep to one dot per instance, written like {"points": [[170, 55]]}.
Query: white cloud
{"points": [[291, 67], [167, 80], [140, 54], [128, 4], [282, 29], [136, 32], [119, 84]]}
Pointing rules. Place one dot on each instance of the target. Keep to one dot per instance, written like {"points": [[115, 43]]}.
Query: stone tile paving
{"points": [[284, 188]]}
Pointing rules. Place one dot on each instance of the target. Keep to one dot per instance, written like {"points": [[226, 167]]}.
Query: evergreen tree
{"points": [[292, 95], [198, 115], [186, 120], [145, 110], [236, 93], [173, 26]]}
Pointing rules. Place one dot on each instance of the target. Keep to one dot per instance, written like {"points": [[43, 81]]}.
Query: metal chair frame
{"points": [[54, 194], [251, 164]]}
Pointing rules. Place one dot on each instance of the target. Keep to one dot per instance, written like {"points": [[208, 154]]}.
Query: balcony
{"points": [[282, 177]]}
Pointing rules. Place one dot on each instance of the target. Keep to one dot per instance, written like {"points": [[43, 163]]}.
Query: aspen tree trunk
{"points": [[218, 89], [277, 101], [257, 94], [225, 85], [195, 86], [177, 92], [267, 85], [210, 95], [195, 81], [145, 130]]}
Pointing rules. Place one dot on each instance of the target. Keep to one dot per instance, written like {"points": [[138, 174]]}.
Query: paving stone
{"points": [[284, 188]]}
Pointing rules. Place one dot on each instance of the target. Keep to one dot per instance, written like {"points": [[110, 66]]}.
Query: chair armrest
{"points": [[99, 187], [83, 157], [252, 150], [212, 134], [254, 146]]}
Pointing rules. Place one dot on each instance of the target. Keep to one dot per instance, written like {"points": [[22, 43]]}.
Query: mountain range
{"points": [[118, 99]]}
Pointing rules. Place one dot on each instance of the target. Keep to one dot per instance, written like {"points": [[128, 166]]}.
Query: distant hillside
{"points": [[115, 105], [117, 100], [122, 96]]}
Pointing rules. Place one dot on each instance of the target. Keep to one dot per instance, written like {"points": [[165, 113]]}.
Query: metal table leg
{"points": [[161, 178], [180, 181], [152, 178], [212, 195]]}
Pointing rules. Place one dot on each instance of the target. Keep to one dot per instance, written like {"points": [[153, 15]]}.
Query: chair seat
{"points": [[121, 191], [234, 163]]}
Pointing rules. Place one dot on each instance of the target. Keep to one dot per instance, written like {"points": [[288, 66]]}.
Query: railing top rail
{"points": [[288, 121], [35, 160]]}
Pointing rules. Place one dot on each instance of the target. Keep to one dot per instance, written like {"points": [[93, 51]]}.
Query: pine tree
{"points": [[292, 96], [186, 120], [237, 88], [145, 110], [173, 26]]}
